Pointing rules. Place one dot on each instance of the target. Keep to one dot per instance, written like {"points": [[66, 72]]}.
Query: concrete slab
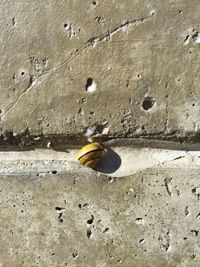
{"points": [[81, 219], [127, 69]]}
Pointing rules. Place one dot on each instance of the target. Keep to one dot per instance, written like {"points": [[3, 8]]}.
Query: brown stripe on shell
{"points": [[87, 164], [94, 150], [91, 156]]}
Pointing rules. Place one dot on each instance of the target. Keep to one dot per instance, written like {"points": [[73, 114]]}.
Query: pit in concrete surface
{"points": [[91, 86], [148, 103]]}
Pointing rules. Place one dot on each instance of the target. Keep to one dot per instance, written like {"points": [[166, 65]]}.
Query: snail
{"points": [[91, 154]]}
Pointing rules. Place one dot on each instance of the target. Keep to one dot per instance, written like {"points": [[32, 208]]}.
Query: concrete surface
{"points": [[127, 71], [55, 212], [130, 69], [81, 219]]}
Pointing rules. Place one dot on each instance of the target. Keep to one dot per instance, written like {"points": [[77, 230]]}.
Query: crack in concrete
{"points": [[10, 106], [166, 110], [92, 41], [180, 157], [123, 26]]}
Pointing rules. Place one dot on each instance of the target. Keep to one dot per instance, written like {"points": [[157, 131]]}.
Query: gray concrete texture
{"points": [[124, 70], [129, 68], [81, 219]]}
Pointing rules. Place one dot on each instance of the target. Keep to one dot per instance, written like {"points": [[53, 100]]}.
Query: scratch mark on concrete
{"points": [[167, 181], [91, 42], [180, 157]]}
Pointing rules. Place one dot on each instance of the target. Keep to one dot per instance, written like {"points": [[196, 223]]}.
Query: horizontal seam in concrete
{"points": [[118, 163]]}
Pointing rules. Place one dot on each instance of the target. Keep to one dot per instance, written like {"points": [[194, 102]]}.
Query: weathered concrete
{"points": [[119, 69], [85, 219], [142, 59]]}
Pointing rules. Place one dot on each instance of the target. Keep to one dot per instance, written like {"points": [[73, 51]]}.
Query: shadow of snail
{"points": [[100, 158]]}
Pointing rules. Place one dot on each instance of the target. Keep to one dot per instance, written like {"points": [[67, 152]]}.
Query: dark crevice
{"points": [[91, 220], [89, 233], [27, 141], [88, 83]]}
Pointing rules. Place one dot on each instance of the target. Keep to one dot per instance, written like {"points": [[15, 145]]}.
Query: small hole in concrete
{"points": [[65, 25], [186, 40], [53, 172], [13, 21], [148, 103], [59, 208], [193, 104], [75, 254], [22, 73], [0, 111], [89, 82], [194, 190], [94, 2], [195, 232], [89, 233], [91, 112], [90, 85], [90, 221], [60, 219]]}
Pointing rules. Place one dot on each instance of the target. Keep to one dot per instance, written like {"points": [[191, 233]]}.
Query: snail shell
{"points": [[90, 155]]}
